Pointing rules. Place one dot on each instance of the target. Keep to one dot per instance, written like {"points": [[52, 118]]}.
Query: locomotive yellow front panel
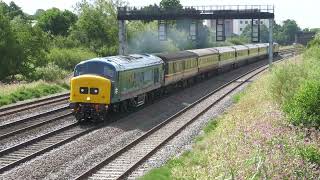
{"points": [[90, 89]]}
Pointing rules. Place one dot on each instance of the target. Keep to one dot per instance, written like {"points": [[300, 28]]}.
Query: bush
{"points": [[304, 107], [50, 73], [67, 58]]}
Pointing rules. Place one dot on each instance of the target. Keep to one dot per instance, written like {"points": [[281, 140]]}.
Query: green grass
{"points": [[236, 98], [164, 172], [310, 153], [14, 93]]}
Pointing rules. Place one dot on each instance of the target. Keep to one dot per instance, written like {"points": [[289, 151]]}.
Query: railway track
{"points": [[120, 164], [15, 108], [25, 151], [13, 156], [31, 122]]}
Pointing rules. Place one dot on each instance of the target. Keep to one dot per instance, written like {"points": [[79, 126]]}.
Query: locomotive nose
{"points": [[90, 89]]}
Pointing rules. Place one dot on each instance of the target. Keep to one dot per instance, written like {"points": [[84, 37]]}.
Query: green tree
{"points": [[32, 46], [56, 22], [15, 10], [97, 27], [264, 33], [290, 28], [171, 4], [38, 13], [12, 10], [8, 49]]}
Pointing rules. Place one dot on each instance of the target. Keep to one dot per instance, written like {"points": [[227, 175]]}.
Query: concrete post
{"points": [[122, 38], [270, 43]]}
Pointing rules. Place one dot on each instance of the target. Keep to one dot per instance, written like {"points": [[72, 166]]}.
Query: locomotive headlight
{"points": [[94, 91], [84, 90]]}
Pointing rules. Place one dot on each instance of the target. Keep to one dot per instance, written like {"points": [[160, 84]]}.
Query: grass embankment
{"points": [[254, 139], [18, 92]]}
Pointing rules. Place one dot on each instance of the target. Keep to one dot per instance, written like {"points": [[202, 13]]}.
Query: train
{"points": [[119, 83]]}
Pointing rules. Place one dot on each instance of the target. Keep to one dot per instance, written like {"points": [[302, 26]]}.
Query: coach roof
{"points": [[204, 52], [176, 55]]}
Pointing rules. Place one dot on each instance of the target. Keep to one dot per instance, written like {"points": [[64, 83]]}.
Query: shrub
{"points": [[304, 107], [67, 58], [50, 73]]}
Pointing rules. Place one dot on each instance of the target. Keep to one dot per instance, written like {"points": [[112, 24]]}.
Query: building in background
{"points": [[240, 24], [228, 26], [235, 26]]}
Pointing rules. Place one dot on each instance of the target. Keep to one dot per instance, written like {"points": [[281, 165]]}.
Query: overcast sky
{"points": [[305, 12]]}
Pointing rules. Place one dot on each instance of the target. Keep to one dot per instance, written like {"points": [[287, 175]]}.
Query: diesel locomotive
{"points": [[116, 83]]}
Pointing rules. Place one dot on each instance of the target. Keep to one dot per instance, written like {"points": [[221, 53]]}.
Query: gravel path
{"points": [[72, 159]]}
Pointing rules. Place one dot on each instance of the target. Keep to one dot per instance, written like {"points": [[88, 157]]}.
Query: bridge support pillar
{"points": [[270, 43], [220, 30], [162, 30], [122, 37], [255, 30]]}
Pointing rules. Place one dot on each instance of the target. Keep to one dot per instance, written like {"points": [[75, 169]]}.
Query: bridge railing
{"points": [[154, 9]]}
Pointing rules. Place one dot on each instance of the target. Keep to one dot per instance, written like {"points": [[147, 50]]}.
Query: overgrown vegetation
{"points": [[29, 91], [252, 140], [296, 88]]}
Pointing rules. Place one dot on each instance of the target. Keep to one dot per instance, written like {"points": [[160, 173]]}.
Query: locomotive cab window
{"points": [[95, 68]]}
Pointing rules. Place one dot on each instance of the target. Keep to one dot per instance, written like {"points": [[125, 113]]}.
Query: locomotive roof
{"points": [[176, 55], [133, 61], [203, 52]]}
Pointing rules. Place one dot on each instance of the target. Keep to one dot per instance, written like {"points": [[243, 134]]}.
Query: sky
{"points": [[305, 12]]}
